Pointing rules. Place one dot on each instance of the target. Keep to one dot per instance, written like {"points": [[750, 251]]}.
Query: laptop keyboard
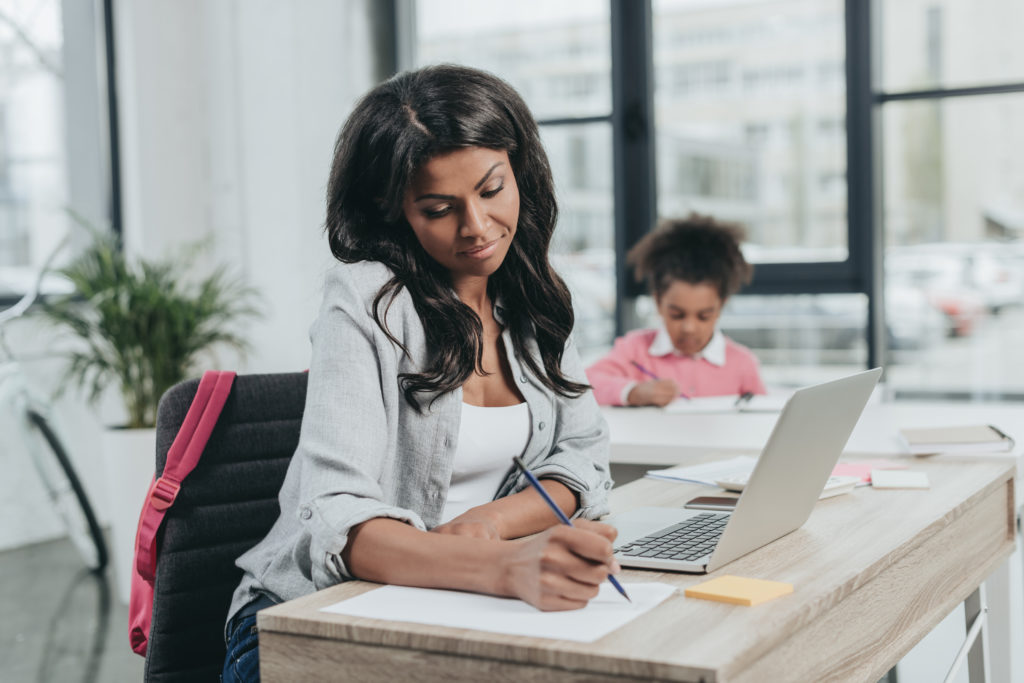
{"points": [[688, 540]]}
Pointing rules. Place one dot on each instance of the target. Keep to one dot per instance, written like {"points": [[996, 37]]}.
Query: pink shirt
{"points": [[722, 368]]}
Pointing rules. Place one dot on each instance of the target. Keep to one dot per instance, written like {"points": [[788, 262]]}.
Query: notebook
{"points": [[790, 473], [967, 439]]}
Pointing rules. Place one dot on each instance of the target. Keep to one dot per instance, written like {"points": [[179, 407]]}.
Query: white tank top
{"points": [[488, 438]]}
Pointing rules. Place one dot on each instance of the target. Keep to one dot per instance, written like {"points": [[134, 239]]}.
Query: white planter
{"points": [[128, 458]]}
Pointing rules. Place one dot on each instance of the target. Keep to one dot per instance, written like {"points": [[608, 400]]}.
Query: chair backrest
{"points": [[227, 504]]}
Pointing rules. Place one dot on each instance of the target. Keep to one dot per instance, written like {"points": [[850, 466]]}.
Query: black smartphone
{"points": [[714, 503]]}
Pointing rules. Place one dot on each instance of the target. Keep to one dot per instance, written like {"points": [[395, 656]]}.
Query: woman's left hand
{"points": [[475, 523]]}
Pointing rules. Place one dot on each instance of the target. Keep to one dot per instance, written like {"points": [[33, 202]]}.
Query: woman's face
{"points": [[690, 312], [464, 207]]}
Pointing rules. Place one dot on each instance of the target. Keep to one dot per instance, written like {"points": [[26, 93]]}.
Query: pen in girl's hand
{"points": [[653, 376], [644, 370], [558, 511]]}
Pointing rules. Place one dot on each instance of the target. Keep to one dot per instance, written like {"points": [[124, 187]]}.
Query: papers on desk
{"points": [[602, 615], [766, 403], [708, 473]]}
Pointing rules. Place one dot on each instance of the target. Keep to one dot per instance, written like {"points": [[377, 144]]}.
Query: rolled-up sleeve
{"points": [[346, 440], [579, 453]]}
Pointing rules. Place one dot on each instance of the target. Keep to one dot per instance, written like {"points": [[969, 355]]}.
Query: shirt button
{"points": [[541, 426], [522, 379], [306, 513]]}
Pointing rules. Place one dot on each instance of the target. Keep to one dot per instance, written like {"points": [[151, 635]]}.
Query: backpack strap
{"points": [[182, 457]]}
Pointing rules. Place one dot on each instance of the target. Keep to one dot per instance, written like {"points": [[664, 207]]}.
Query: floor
{"points": [[60, 621]]}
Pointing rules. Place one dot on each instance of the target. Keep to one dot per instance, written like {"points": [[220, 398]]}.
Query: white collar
{"points": [[713, 352]]}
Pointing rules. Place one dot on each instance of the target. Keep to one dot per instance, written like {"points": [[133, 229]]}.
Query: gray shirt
{"points": [[364, 452]]}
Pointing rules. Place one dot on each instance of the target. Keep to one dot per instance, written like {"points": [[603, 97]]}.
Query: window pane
{"points": [[750, 110], [556, 54], [954, 220], [583, 249], [33, 188], [950, 43]]}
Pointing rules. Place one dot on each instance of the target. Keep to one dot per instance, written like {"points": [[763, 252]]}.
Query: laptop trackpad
{"points": [[639, 522]]}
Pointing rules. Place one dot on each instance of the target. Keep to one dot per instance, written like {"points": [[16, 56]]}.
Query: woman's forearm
{"points": [[525, 513], [561, 568], [389, 551]]}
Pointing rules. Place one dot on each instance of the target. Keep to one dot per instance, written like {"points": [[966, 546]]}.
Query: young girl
{"points": [[692, 267], [441, 351]]}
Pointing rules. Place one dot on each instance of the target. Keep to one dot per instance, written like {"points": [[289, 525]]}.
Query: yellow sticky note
{"points": [[739, 591]]}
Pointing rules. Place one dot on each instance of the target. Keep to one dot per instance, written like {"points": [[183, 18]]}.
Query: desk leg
{"points": [[975, 614], [999, 589]]}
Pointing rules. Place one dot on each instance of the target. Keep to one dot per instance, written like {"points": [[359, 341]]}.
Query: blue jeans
{"points": [[242, 661]]}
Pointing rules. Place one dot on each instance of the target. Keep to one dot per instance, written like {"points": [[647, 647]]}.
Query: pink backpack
{"points": [[182, 457]]}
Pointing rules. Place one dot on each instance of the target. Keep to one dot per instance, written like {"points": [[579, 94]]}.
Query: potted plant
{"points": [[139, 328]]}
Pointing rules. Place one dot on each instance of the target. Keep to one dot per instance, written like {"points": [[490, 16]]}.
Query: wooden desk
{"points": [[874, 571]]}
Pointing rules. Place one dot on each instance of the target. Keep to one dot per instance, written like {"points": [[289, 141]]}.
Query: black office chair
{"points": [[227, 504]]}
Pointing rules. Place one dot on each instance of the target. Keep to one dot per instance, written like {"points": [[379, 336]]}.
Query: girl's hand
{"points": [[561, 568], [475, 523], [655, 392]]}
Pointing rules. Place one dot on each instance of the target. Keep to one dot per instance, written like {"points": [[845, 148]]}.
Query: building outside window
{"points": [[750, 126], [953, 192]]}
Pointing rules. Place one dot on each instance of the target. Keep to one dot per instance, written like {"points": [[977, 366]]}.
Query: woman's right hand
{"points": [[561, 568], [654, 392]]}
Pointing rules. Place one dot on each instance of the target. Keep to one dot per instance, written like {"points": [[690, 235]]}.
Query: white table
{"points": [[653, 436]]}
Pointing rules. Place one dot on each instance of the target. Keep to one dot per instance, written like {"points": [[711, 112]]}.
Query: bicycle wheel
{"points": [[68, 496]]}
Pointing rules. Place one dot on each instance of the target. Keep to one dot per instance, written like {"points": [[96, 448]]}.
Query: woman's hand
{"points": [[476, 522], [562, 568], [655, 392]]}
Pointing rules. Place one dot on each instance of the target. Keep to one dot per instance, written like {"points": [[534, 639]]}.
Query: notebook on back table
{"points": [[790, 473]]}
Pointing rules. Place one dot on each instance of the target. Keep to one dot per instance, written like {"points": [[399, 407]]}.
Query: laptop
{"points": [[790, 473]]}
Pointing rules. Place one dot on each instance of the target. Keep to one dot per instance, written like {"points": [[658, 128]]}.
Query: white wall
{"points": [[228, 113]]}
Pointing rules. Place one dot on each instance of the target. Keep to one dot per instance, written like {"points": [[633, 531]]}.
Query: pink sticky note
{"points": [[862, 468]]}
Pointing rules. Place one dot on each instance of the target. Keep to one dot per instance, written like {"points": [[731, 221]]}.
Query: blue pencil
{"points": [[558, 511]]}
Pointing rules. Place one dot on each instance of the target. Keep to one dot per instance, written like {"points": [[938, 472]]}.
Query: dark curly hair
{"points": [[393, 131], [695, 249]]}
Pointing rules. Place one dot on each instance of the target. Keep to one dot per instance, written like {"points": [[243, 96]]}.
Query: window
{"points": [[715, 154], [953, 185], [749, 129], [928, 44], [764, 114], [33, 185], [557, 55]]}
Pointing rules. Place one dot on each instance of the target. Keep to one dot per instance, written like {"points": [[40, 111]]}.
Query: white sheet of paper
{"points": [[602, 615], [899, 479], [761, 403], [707, 473], [703, 404]]}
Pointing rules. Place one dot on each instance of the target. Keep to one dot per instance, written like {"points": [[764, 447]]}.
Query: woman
{"points": [[441, 351]]}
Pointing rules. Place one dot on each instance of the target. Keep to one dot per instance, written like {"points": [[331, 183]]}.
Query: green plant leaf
{"points": [[143, 327]]}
